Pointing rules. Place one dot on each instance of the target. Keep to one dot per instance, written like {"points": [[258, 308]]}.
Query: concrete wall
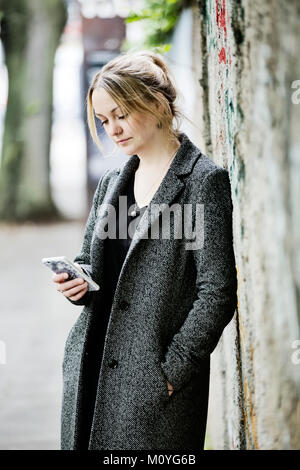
{"points": [[245, 60]]}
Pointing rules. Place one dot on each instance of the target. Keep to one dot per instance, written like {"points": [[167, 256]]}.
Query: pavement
{"points": [[34, 323]]}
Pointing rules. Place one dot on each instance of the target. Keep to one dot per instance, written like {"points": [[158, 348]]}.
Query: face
{"points": [[133, 132]]}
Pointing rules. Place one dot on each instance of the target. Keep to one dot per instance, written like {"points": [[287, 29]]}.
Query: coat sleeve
{"points": [[216, 285], [83, 257]]}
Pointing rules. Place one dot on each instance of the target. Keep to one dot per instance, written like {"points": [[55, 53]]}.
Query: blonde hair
{"points": [[137, 81]]}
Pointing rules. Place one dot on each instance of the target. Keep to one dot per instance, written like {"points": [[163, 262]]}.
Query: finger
{"points": [[70, 284], [78, 295], [67, 287], [75, 290], [60, 277]]}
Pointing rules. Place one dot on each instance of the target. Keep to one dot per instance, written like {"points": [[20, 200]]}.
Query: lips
{"points": [[123, 140]]}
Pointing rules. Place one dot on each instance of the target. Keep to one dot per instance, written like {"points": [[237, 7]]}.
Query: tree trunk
{"points": [[30, 31]]}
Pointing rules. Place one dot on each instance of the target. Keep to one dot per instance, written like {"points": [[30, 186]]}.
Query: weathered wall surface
{"points": [[246, 60]]}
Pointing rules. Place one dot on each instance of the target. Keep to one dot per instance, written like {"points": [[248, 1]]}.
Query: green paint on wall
{"points": [[229, 109], [242, 170]]}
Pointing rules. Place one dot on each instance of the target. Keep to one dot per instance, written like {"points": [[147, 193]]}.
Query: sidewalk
{"points": [[34, 323]]}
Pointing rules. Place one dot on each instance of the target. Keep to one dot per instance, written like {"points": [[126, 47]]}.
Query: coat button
{"points": [[113, 363], [124, 304]]}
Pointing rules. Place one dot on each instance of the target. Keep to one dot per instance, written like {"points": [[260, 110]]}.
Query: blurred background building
{"points": [[93, 35]]}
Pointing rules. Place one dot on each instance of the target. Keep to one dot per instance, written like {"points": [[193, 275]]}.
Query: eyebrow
{"points": [[98, 114]]}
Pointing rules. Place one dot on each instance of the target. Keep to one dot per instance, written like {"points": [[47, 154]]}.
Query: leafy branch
{"points": [[160, 17]]}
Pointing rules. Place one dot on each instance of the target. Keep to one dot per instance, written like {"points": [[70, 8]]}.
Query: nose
{"points": [[114, 128]]}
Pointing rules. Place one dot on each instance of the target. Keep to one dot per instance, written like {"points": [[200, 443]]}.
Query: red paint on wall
{"points": [[221, 16], [222, 55]]}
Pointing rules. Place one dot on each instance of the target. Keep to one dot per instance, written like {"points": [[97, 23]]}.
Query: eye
{"points": [[119, 117]]}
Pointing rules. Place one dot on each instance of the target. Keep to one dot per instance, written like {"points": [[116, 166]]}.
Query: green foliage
{"points": [[160, 17]]}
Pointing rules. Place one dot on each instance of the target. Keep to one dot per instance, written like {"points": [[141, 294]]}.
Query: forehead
{"points": [[103, 103]]}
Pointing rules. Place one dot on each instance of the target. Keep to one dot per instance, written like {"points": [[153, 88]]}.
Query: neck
{"points": [[157, 154]]}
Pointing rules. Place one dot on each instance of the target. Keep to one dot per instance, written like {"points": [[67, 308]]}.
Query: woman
{"points": [[136, 363]]}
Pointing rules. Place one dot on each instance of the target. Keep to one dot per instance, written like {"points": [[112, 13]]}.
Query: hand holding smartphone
{"points": [[69, 278]]}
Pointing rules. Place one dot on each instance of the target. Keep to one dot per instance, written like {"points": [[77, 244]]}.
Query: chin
{"points": [[129, 149], [128, 152]]}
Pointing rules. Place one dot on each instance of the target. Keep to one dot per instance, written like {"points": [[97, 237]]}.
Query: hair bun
{"points": [[154, 58]]}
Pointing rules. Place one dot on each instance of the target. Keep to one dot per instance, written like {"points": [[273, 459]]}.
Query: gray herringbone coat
{"points": [[170, 307]]}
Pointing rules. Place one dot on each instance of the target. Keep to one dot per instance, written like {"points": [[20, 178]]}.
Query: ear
{"points": [[160, 101]]}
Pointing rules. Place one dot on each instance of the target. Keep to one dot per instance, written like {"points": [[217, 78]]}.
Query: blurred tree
{"points": [[30, 32]]}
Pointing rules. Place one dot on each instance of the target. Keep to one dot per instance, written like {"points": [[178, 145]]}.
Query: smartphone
{"points": [[61, 264]]}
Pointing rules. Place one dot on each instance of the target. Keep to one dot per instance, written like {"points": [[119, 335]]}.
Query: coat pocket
{"points": [[164, 389]]}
